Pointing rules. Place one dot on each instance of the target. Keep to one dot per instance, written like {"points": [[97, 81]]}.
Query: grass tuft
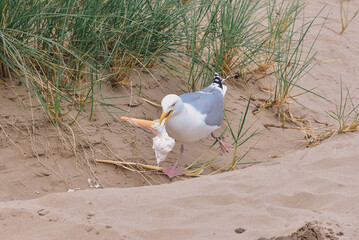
{"points": [[346, 112], [289, 54], [344, 16], [241, 136]]}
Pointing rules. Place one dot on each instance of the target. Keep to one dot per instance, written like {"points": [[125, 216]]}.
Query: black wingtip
{"points": [[217, 80]]}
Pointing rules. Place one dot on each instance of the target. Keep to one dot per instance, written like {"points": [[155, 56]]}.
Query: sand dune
{"points": [[310, 193], [318, 184]]}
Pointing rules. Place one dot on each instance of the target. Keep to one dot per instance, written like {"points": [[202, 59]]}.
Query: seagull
{"points": [[193, 116]]}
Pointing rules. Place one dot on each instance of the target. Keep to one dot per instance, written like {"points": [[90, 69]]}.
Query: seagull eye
{"points": [[173, 105]]}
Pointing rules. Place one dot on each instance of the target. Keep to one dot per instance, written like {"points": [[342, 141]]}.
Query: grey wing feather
{"points": [[207, 101]]}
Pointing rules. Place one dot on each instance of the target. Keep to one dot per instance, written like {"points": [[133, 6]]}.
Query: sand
{"points": [[50, 191], [318, 184]]}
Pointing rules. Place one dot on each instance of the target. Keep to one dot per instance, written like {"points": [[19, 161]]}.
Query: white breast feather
{"points": [[188, 125]]}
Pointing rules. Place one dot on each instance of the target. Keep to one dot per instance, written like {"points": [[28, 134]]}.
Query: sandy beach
{"points": [[283, 189]]}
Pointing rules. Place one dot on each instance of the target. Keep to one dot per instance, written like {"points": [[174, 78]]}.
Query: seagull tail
{"points": [[217, 80]]}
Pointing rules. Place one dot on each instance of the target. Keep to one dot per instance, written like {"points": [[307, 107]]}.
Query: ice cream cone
{"points": [[146, 124]]}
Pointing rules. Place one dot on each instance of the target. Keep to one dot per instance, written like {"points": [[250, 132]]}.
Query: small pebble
{"points": [[42, 212], [239, 230], [91, 214]]}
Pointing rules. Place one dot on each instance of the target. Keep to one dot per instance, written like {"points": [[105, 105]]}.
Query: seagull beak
{"points": [[165, 116]]}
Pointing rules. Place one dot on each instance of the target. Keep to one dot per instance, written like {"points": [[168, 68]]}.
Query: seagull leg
{"points": [[223, 145], [174, 170]]}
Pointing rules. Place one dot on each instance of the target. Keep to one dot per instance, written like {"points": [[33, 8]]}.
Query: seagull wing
{"points": [[208, 101]]}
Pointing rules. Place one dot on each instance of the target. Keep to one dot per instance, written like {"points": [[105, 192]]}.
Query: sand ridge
{"points": [[317, 184]]}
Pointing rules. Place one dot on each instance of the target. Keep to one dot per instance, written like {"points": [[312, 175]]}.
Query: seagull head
{"points": [[170, 104]]}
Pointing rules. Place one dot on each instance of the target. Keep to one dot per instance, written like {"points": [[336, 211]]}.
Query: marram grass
{"points": [[62, 50]]}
